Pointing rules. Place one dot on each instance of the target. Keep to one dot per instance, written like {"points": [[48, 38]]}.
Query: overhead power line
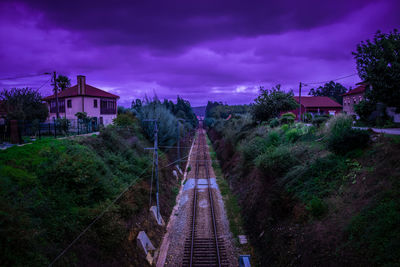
{"points": [[337, 79], [24, 76], [43, 84]]}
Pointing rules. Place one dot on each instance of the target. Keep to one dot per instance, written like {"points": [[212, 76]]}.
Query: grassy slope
{"points": [[52, 189], [343, 208], [230, 202]]}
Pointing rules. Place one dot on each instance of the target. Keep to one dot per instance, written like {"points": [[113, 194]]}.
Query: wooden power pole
{"points": [[300, 102], [56, 93]]}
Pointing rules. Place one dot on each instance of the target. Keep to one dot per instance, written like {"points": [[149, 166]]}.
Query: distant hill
{"points": [[199, 111]]}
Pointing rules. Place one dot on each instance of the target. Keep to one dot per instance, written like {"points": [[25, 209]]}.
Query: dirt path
{"points": [[172, 251]]}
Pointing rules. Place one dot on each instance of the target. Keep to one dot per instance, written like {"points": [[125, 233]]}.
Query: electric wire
{"points": [[23, 76], [337, 79], [106, 209], [43, 84]]}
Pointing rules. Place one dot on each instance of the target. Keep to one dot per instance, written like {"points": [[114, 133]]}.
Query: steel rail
{"points": [[202, 152], [212, 209], [194, 203]]}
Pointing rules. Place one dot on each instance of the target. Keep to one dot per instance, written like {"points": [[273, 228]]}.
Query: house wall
{"points": [[88, 108], [316, 110], [349, 101]]}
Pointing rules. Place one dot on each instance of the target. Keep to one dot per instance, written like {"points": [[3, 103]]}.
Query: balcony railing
{"points": [[105, 111]]}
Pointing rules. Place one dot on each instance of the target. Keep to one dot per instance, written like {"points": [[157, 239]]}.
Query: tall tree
{"points": [[270, 103], [332, 90], [378, 63], [63, 82], [24, 104]]}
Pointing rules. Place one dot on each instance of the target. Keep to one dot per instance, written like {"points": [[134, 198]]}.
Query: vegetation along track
{"points": [[203, 247]]}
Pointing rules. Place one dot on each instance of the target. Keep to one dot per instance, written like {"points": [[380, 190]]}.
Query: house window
{"points": [[53, 106], [69, 103], [95, 103], [108, 106]]}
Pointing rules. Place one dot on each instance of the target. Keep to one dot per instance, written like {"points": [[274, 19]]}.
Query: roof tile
{"points": [[318, 101], [90, 91]]}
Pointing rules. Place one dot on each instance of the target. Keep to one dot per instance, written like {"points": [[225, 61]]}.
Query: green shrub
{"points": [[209, 122], [346, 141], [274, 123], [253, 148], [338, 123], [317, 207], [342, 138], [292, 135], [124, 119], [307, 117], [287, 118], [63, 124], [276, 160], [319, 120], [285, 127], [273, 138], [364, 110]]}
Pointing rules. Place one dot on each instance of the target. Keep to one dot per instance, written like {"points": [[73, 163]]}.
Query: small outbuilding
{"points": [[317, 105]]}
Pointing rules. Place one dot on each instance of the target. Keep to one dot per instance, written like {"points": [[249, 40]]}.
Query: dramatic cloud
{"points": [[211, 50]]}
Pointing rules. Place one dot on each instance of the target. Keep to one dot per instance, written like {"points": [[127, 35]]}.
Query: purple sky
{"points": [[215, 50]]}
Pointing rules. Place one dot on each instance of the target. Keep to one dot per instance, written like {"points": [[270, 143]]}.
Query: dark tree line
{"points": [[332, 90]]}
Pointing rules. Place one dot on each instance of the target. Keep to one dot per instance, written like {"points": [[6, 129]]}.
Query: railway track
{"points": [[204, 247]]}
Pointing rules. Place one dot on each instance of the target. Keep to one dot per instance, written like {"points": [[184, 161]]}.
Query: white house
{"points": [[82, 97]]}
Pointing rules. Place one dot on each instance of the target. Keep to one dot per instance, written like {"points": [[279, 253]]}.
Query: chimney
{"points": [[81, 84]]}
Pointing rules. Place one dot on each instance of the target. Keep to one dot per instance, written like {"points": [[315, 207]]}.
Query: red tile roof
{"points": [[357, 90], [90, 91], [317, 101]]}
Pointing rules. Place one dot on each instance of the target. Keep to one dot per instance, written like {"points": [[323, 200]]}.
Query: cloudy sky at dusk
{"points": [[200, 50]]}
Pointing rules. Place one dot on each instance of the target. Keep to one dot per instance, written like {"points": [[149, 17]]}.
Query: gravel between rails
{"points": [[179, 226]]}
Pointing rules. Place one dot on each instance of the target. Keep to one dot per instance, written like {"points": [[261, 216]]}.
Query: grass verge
{"points": [[231, 203]]}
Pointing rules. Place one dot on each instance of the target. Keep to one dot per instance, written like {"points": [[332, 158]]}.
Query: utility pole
{"points": [[178, 142], [155, 148], [300, 101], [56, 93], [156, 165]]}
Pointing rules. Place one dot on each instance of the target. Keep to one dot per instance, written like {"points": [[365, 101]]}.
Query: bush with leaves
{"points": [[124, 119], [307, 117], [287, 118], [270, 103], [317, 207], [274, 123], [364, 109], [319, 120], [166, 121], [63, 125], [277, 160], [342, 138], [293, 135]]}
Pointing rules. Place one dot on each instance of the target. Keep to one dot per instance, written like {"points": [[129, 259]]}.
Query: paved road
{"points": [[394, 131]]}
